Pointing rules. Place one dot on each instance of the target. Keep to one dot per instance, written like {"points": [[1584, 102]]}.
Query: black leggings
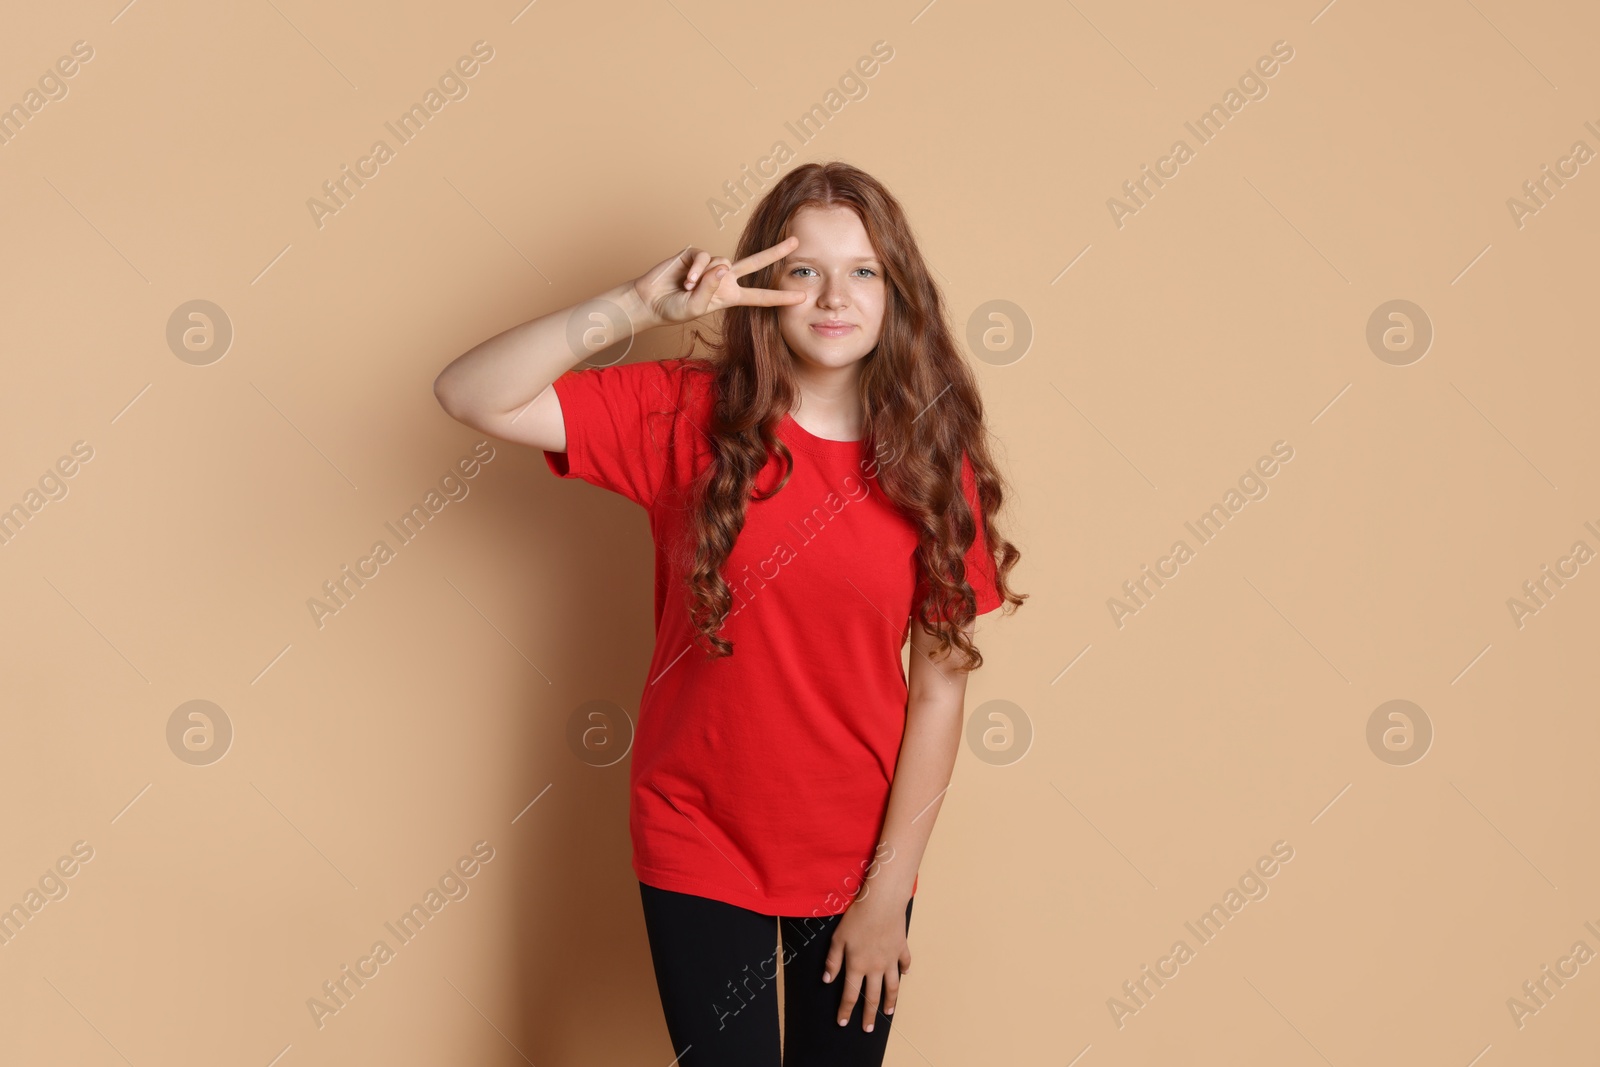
{"points": [[716, 969]]}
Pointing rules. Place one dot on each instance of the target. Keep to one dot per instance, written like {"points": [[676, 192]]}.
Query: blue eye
{"points": [[869, 270]]}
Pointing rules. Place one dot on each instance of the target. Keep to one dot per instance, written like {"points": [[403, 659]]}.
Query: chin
{"points": [[832, 358]]}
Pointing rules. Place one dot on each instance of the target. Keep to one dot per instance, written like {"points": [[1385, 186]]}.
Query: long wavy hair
{"points": [[921, 404]]}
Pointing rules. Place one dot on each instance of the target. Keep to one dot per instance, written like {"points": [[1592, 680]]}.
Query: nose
{"points": [[834, 293]]}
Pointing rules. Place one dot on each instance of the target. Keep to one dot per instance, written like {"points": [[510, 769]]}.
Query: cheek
{"points": [[794, 316], [875, 309]]}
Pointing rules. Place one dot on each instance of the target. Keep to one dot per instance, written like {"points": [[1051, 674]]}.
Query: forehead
{"points": [[827, 232]]}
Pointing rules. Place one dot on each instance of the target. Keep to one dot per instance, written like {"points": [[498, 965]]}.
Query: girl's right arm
{"points": [[502, 386]]}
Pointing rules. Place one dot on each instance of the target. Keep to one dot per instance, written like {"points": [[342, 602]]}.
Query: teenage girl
{"points": [[819, 490]]}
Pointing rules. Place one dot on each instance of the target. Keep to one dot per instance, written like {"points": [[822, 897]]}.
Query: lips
{"points": [[833, 328]]}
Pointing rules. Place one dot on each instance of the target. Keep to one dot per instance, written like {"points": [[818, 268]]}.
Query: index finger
{"points": [[767, 297], [762, 258]]}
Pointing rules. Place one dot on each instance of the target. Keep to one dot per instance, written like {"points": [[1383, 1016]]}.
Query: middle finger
{"points": [[847, 1002], [869, 1013], [767, 255]]}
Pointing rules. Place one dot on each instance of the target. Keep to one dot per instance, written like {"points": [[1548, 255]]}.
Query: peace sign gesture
{"points": [[695, 283]]}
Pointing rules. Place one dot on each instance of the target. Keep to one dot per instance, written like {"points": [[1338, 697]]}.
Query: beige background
{"points": [[1229, 313]]}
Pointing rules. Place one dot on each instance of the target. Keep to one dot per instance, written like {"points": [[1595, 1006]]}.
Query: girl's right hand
{"points": [[695, 283]]}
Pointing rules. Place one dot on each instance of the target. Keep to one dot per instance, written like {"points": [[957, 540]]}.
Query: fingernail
{"points": [[843, 1021], [869, 1028], [888, 1011]]}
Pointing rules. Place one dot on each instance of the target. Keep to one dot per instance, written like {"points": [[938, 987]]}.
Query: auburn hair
{"points": [[920, 400]]}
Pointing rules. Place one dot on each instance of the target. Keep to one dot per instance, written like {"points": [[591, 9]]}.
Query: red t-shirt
{"points": [[760, 779]]}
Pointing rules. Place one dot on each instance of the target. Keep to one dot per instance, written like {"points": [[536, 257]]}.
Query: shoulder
{"points": [[688, 384], [687, 375], [679, 375], [672, 397], [654, 385]]}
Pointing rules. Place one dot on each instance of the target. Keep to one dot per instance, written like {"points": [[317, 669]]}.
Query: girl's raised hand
{"points": [[695, 283]]}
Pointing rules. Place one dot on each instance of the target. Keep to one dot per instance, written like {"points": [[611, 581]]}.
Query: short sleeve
{"points": [[619, 423], [979, 562]]}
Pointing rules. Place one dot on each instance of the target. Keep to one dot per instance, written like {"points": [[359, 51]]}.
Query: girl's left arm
{"points": [[870, 939], [935, 704]]}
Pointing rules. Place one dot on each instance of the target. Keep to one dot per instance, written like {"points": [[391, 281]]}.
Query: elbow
{"points": [[448, 397], [441, 393], [947, 704]]}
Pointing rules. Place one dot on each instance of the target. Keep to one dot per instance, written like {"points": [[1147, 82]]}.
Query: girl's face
{"points": [[835, 266]]}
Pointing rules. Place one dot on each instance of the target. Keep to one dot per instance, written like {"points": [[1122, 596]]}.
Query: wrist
{"points": [[875, 898], [640, 314], [885, 888]]}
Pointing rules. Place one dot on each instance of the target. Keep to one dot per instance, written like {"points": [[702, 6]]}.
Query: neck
{"points": [[829, 401]]}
